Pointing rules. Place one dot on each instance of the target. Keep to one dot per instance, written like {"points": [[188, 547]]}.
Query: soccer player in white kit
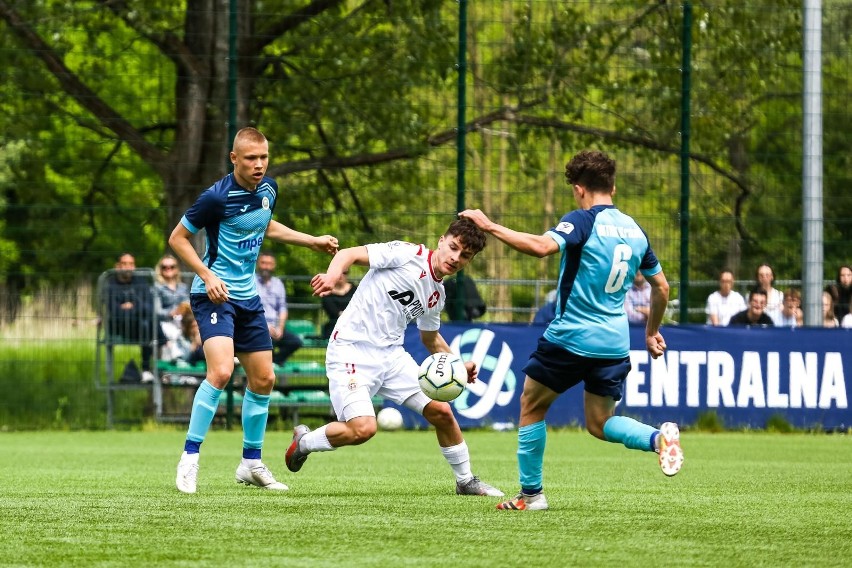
{"points": [[365, 355]]}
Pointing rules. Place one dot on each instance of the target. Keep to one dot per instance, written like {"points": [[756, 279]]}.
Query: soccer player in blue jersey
{"points": [[588, 341], [236, 214]]}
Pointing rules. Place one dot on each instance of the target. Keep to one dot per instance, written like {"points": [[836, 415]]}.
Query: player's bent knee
{"points": [[438, 413], [362, 432]]}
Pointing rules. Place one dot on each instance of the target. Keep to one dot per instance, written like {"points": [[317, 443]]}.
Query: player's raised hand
{"points": [[477, 216], [325, 243], [323, 284]]}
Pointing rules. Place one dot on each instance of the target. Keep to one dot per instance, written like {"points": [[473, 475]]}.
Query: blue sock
{"points": [[255, 413], [204, 407], [632, 433], [531, 441]]}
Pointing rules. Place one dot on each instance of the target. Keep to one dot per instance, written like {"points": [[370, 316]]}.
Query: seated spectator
{"points": [[841, 289], [130, 306], [188, 346], [274, 300], [171, 292], [791, 312], [847, 321], [765, 278], [336, 302], [637, 302], [547, 311], [724, 302], [473, 306], [828, 319], [754, 315]]}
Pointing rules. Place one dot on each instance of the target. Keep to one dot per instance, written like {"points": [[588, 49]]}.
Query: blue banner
{"points": [[744, 376]]}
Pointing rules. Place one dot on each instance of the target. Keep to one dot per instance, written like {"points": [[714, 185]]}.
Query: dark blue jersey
{"points": [[602, 248], [235, 221]]}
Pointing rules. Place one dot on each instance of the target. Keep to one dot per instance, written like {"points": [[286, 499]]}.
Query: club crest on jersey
{"points": [[265, 203], [565, 227]]}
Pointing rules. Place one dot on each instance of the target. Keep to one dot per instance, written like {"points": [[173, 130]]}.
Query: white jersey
{"points": [[724, 306], [399, 288]]}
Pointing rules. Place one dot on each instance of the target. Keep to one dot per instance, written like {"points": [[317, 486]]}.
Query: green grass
{"points": [[108, 499]]}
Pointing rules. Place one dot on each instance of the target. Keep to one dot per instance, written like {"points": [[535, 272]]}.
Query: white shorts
{"points": [[357, 372]]}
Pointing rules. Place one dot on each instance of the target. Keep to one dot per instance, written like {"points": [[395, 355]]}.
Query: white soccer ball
{"points": [[442, 376], [389, 419]]}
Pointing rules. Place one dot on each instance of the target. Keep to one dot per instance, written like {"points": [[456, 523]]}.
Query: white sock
{"points": [[251, 463], [459, 459], [316, 441], [189, 458]]}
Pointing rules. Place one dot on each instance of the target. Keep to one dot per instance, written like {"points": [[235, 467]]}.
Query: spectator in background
{"points": [[274, 299], [637, 302], [765, 277], [755, 314], [841, 290], [336, 302], [828, 319], [847, 321], [130, 307], [547, 312], [724, 302], [186, 346], [791, 312], [171, 292], [474, 305]]}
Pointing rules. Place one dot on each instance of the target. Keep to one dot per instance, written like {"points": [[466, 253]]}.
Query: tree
{"points": [[359, 102]]}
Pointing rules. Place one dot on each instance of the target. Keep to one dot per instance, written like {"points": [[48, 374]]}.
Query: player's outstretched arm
{"points": [[284, 234], [323, 283], [654, 341], [527, 243]]}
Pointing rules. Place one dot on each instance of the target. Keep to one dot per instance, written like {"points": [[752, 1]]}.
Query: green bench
{"points": [[301, 388]]}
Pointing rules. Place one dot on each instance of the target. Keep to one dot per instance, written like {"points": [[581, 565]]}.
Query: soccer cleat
{"points": [[522, 502], [475, 486], [187, 473], [258, 476], [295, 457], [671, 454]]}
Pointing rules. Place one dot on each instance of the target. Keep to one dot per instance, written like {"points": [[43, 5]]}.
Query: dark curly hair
{"points": [[591, 169], [470, 236]]}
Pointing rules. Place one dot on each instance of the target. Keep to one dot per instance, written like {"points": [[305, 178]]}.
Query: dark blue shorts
{"points": [[559, 370], [241, 320]]}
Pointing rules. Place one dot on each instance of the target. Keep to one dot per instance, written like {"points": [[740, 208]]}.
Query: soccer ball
{"points": [[442, 376], [389, 419]]}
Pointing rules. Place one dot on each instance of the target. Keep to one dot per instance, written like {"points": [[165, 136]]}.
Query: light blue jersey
{"points": [[235, 221], [602, 248]]}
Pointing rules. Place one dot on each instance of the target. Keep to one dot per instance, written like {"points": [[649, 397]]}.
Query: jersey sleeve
{"points": [[206, 209], [650, 266], [572, 230], [393, 253]]}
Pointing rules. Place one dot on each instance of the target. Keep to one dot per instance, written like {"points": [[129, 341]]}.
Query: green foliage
{"points": [[360, 104], [55, 390], [709, 421], [778, 424]]}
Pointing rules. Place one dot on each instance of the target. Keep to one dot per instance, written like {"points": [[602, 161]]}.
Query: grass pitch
{"points": [[742, 499]]}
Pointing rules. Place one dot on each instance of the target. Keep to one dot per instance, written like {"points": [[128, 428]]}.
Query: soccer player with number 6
{"points": [[588, 341]]}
